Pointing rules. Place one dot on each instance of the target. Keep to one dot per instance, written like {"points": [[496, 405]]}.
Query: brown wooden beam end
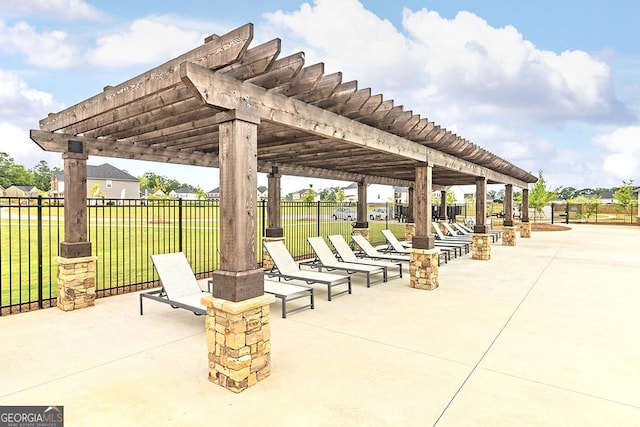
{"points": [[238, 285], [274, 232], [75, 249], [423, 242]]}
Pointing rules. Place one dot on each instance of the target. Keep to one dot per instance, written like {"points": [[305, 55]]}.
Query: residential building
{"points": [[102, 181], [183, 193], [22, 191]]}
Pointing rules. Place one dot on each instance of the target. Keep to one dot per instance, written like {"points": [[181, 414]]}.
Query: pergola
{"points": [[245, 110]]}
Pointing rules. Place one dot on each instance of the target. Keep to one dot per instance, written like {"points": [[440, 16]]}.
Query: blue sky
{"points": [[547, 85]]}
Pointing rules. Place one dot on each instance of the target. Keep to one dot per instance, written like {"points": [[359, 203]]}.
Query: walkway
{"points": [[544, 334]]}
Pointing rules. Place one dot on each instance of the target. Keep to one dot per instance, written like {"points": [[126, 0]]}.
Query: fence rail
{"points": [[124, 233]]}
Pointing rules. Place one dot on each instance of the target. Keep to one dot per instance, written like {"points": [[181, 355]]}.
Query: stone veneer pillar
{"points": [[238, 341], [481, 246], [76, 282], [364, 232], [267, 262], [509, 236], [423, 269], [525, 229], [409, 231]]}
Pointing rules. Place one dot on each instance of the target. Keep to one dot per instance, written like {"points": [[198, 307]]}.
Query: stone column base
{"points": [[525, 229], [267, 262], [509, 236], [364, 232], [409, 231], [481, 246], [423, 269], [76, 282], [238, 341]]}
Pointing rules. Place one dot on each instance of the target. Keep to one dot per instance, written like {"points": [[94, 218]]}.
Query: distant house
{"points": [[606, 198], [401, 195], [111, 183], [2, 190], [22, 191], [263, 193], [298, 196], [350, 192], [183, 193], [214, 194]]}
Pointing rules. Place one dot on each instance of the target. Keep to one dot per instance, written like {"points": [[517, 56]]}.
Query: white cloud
{"points": [[50, 49], [68, 9], [458, 68], [146, 41], [21, 107], [623, 157]]}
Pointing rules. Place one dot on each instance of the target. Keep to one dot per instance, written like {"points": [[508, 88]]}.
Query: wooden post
{"points": [[524, 214], [362, 206], [443, 205], [481, 205], [273, 204], [75, 244], [508, 205], [410, 215], [423, 257], [422, 207], [238, 278]]}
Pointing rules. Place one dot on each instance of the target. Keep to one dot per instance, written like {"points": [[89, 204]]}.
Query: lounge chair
{"points": [[347, 255], [371, 252], [180, 288], [497, 233], [399, 247], [286, 268], [328, 261], [287, 292], [462, 243]]}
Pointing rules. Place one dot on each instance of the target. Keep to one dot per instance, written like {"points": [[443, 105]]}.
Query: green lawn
{"points": [[124, 237]]}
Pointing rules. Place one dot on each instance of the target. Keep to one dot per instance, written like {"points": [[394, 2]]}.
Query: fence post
{"points": [[263, 216], [180, 224], [39, 227], [318, 217]]}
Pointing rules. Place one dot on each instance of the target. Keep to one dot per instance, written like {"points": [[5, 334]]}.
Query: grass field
{"points": [[123, 238]]}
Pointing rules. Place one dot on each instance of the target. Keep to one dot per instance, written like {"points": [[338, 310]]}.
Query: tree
{"points": [[624, 196], [42, 175], [95, 191], [309, 196], [200, 193], [12, 174], [540, 195], [588, 206], [332, 194], [567, 193], [451, 198]]}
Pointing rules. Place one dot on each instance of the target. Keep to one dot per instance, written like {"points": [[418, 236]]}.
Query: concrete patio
{"points": [[543, 334]]}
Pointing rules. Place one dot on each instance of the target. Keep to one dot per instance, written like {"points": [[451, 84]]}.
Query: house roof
{"points": [[337, 131], [25, 188], [183, 190], [262, 189], [103, 171]]}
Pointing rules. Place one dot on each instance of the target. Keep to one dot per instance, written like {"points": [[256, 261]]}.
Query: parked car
{"points": [[377, 213], [345, 213]]}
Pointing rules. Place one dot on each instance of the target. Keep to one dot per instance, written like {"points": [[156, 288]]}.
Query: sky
{"points": [[551, 86]]}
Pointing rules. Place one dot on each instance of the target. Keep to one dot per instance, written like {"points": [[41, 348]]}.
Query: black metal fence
{"points": [[124, 233]]}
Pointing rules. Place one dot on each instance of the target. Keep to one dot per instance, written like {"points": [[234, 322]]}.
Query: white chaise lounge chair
{"points": [[286, 268], [327, 260], [397, 246], [180, 287], [347, 255], [371, 252]]}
